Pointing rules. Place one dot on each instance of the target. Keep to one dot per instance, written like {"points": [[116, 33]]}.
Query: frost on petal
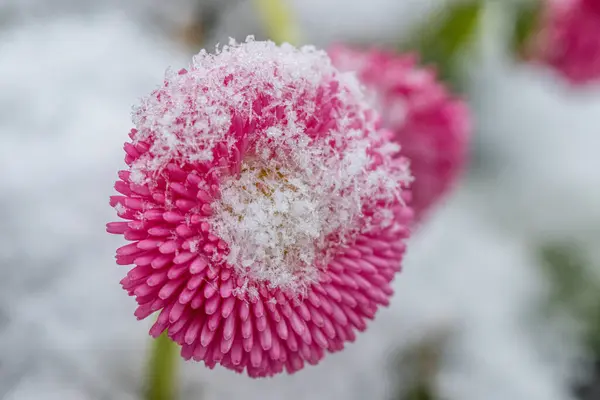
{"points": [[260, 192]]}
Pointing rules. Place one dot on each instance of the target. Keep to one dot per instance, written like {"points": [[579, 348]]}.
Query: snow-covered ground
{"points": [[67, 329]]}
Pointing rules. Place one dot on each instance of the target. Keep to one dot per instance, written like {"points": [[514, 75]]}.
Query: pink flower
{"points": [[569, 39], [266, 210], [432, 127]]}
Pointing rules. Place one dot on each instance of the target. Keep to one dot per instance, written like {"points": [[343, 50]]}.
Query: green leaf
{"points": [[574, 288], [417, 367], [421, 391], [527, 16], [443, 38]]}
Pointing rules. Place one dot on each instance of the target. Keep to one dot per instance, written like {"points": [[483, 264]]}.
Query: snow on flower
{"points": [[266, 209], [569, 39], [432, 126]]}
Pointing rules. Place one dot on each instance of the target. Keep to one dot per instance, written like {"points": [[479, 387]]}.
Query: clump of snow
{"points": [[280, 213], [276, 221]]}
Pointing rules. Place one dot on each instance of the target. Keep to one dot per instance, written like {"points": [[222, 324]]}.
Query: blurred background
{"points": [[500, 294]]}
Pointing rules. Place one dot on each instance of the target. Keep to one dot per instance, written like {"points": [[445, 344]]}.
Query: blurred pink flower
{"points": [[568, 39], [431, 125], [265, 208]]}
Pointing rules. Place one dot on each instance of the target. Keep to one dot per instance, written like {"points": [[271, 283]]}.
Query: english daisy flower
{"points": [[265, 207], [569, 39]]}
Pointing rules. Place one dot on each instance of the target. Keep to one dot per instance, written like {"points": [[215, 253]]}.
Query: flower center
{"points": [[270, 220]]}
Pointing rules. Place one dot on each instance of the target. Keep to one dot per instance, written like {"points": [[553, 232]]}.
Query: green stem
{"points": [[162, 370], [278, 20]]}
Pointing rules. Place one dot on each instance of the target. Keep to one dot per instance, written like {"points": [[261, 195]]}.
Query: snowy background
{"points": [[472, 283]]}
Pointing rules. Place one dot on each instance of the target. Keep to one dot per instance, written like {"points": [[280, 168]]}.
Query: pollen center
{"points": [[270, 219]]}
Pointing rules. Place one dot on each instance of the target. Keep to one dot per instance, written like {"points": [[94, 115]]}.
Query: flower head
{"points": [[569, 39], [265, 207], [432, 127]]}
